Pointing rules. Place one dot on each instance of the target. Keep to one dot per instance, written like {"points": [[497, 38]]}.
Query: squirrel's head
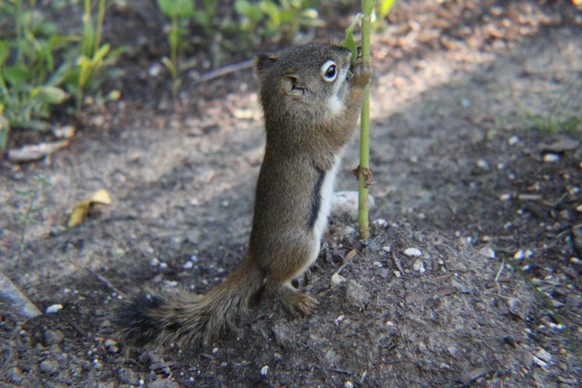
{"points": [[306, 84]]}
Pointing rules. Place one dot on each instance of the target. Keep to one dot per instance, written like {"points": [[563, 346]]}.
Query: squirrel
{"points": [[311, 97]]}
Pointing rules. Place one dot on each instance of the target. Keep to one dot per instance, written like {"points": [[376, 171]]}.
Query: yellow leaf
{"points": [[102, 197], [81, 209], [79, 213]]}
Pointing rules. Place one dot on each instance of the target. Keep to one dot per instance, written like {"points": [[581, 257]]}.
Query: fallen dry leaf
{"points": [[81, 209], [30, 153]]}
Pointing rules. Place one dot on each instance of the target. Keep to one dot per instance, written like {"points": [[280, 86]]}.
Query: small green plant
{"points": [[280, 21], [30, 82], [33, 213], [95, 61], [40, 68], [179, 12]]}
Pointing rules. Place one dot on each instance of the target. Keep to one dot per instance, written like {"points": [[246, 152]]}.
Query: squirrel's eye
{"points": [[329, 71]]}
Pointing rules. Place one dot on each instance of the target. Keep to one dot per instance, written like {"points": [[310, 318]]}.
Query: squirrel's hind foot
{"points": [[296, 302]]}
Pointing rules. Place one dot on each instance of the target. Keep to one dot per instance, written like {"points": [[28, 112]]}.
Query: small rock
{"points": [[380, 222], [419, 266], [337, 279], [356, 294], [188, 265], [53, 337], [543, 355], [265, 370], [112, 346], [155, 70], [163, 383], [53, 308], [50, 367], [345, 203], [505, 197], [513, 140], [487, 252], [413, 252], [483, 164], [550, 158]]}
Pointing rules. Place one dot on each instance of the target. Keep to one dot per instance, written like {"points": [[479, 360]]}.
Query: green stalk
{"points": [[367, 7], [19, 31], [100, 18]]}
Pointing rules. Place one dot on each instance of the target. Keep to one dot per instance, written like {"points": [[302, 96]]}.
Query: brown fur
{"points": [[304, 138]]}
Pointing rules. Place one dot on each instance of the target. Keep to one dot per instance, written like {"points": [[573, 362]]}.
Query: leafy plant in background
{"points": [[30, 83], [280, 20], [40, 68], [179, 12], [94, 64]]}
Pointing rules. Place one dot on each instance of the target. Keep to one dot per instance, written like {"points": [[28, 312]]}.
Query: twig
{"points": [[105, 282], [225, 70], [22, 304]]}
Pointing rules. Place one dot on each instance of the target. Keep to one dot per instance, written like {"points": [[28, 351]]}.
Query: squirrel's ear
{"points": [[291, 84], [264, 61]]}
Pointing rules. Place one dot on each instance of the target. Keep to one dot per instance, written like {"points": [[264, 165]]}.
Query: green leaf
{"points": [[349, 42], [384, 7], [4, 130], [4, 51], [101, 53], [177, 8], [49, 94], [17, 75]]}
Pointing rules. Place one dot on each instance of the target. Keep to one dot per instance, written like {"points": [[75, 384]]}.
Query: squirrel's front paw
{"points": [[362, 72]]}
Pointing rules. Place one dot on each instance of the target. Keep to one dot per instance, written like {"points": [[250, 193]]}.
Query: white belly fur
{"points": [[324, 208]]}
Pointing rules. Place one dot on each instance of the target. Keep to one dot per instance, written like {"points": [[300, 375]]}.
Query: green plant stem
{"points": [[100, 18], [363, 213], [19, 31]]}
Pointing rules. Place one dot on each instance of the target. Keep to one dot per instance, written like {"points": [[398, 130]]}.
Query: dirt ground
{"points": [[469, 175]]}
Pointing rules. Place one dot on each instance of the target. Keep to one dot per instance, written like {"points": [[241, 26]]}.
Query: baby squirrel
{"points": [[311, 97]]}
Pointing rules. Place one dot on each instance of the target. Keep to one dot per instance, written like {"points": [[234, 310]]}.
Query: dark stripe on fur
{"points": [[316, 198]]}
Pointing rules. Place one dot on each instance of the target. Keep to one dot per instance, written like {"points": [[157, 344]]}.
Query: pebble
{"points": [[550, 158], [380, 222], [337, 279], [163, 383], [53, 337], [188, 265], [419, 266], [345, 203], [487, 252], [265, 370], [412, 252], [483, 164], [49, 367], [112, 346], [513, 140], [356, 294], [155, 70], [53, 308], [523, 254]]}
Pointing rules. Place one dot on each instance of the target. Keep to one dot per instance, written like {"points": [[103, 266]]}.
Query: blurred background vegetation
{"points": [[58, 58]]}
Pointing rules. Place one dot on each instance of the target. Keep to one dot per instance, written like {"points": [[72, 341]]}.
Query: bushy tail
{"points": [[186, 317]]}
